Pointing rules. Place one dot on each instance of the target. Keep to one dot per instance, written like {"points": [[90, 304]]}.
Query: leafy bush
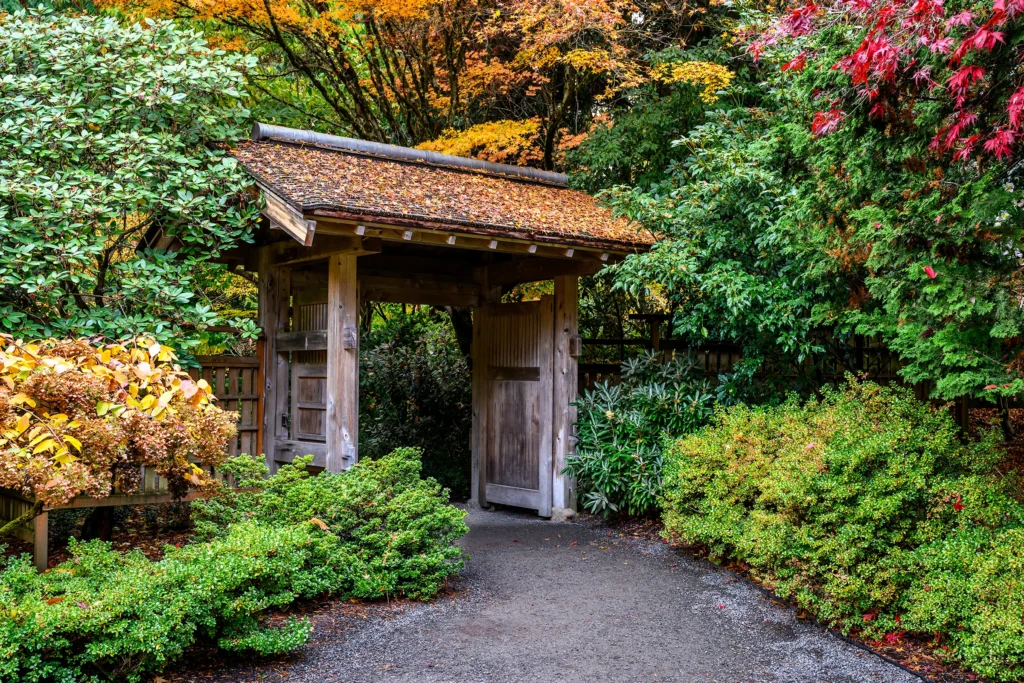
{"points": [[867, 509], [617, 463], [415, 388], [75, 417], [111, 134], [398, 527], [103, 615]]}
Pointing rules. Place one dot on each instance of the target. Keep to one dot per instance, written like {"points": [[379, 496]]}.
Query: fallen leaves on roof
{"points": [[313, 178]]}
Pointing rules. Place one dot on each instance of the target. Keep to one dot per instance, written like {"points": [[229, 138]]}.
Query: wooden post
{"points": [[274, 302], [342, 363], [565, 387], [41, 540], [478, 354]]}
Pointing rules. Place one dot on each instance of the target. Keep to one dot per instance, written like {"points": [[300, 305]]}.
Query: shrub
{"points": [[76, 417], [397, 526], [867, 509], [617, 463], [377, 529]]}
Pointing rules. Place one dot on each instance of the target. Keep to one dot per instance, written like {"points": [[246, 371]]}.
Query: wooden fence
{"points": [[236, 382]]}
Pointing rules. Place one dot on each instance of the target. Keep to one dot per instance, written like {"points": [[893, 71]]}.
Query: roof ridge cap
{"points": [[263, 131]]}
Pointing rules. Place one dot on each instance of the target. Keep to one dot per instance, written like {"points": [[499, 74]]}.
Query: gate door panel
{"points": [[519, 412]]}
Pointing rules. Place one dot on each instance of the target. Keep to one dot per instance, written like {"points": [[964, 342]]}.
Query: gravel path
{"points": [[541, 601]]}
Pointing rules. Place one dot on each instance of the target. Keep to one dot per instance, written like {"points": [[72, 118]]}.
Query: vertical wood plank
{"points": [[480, 400], [274, 300], [258, 386], [545, 412], [479, 355], [342, 363], [565, 388]]}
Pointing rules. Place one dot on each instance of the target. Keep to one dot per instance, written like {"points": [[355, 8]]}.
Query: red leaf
{"points": [[797, 63], [869, 617], [957, 505], [930, 272], [826, 122]]}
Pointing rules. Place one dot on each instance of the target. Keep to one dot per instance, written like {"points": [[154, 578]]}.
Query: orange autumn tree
{"points": [[512, 80], [76, 418], [385, 70]]}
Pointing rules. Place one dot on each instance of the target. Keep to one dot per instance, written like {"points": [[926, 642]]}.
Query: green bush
{"points": [[373, 531], [617, 463], [398, 527], [867, 509]]}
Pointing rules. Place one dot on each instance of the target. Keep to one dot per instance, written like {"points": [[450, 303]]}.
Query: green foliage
{"points": [[865, 508], [618, 458], [104, 615], [396, 531], [109, 134], [415, 388], [373, 531]]}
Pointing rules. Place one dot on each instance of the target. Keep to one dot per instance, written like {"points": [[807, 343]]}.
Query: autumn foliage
{"points": [[910, 54], [76, 418]]}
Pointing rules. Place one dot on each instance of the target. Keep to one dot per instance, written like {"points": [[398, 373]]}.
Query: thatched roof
{"points": [[321, 180]]}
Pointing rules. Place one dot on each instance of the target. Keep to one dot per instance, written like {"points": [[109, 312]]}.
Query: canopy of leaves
{"points": [[855, 180], [412, 72], [108, 133]]}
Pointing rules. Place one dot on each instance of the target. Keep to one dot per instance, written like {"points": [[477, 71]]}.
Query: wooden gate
{"points": [[517, 438]]}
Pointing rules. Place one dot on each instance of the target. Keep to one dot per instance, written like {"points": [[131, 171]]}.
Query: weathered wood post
{"points": [[274, 303], [342, 362], [565, 387]]}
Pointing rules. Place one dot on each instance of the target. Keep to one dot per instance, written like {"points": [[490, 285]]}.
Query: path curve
{"points": [[541, 601]]}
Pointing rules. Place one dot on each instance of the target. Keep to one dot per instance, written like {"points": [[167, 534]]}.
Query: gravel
{"points": [[540, 601]]}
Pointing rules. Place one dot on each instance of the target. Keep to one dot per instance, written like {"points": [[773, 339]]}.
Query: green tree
{"points": [[112, 137]]}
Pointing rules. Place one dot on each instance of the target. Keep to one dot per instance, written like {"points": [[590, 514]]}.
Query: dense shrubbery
{"points": [[617, 463], [76, 418], [867, 509], [415, 388], [396, 531], [378, 529]]}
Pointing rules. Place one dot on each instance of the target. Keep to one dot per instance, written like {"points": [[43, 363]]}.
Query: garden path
{"points": [[541, 601]]}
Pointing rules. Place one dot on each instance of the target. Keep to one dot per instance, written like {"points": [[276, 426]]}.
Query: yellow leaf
{"points": [[20, 398], [23, 422], [47, 445], [74, 442]]}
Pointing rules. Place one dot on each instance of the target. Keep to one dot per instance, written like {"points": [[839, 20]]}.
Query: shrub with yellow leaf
{"points": [[78, 418]]}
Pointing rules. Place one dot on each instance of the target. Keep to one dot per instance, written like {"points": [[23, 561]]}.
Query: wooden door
{"points": [[517, 439]]}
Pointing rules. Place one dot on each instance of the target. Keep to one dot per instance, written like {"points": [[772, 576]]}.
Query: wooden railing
{"points": [[236, 383]]}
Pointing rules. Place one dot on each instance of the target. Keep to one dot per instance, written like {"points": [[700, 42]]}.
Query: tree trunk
{"points": [[462, 323]]}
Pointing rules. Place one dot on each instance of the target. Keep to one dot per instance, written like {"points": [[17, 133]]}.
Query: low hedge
{"points": [[868, 510], [376, 530]]}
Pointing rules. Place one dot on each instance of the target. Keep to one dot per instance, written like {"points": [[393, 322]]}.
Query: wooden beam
{"points": [[426, 289], [286, 217], [307, 340], [325, 247], [536, 269], [286, 450], [479, 354], [342, 363], [427, 232], [273, 315], [564, 390], [545, 353]]}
